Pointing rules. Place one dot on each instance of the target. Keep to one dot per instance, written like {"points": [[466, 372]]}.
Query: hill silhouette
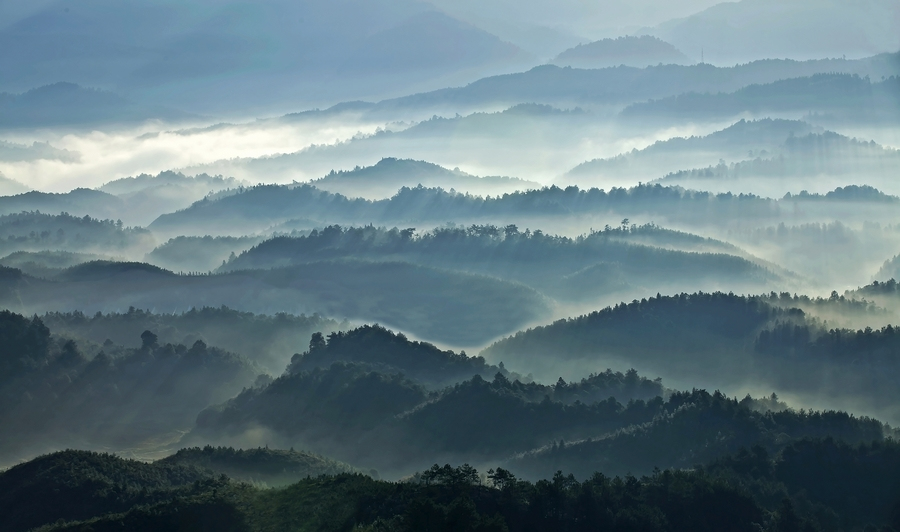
{"points": [[630, 51]]}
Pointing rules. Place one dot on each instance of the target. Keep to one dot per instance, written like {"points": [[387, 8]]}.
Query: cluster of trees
{"points": [[889, 287], [377, 348], [261, 465]]}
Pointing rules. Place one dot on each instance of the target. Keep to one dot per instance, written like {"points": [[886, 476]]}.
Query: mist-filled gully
{"points": [[403, 266]]}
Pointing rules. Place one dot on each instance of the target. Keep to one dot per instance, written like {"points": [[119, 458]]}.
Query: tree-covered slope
{"points": [[435, 304], [272, 467], [729, 340], [557, 266], [77, 485], [52, 394]]}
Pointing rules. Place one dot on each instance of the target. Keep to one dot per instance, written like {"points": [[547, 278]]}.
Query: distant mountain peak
{"points": [[633, 51]]}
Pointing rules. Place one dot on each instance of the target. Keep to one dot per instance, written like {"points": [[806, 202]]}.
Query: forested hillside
{"points": [[721, 338], [449, 265], [52, 393], [561, 267]]}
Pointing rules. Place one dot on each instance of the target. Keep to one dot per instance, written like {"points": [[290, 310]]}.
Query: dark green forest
{"points": [[813, 484]]}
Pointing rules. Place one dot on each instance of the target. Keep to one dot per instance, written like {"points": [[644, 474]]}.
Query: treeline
{"points": [[467, 245], [31, 231], [399, 294], [725, 338], [269, 467], [384, 351], [270, 340], [560, 267], [259, 207], [811, 485]]}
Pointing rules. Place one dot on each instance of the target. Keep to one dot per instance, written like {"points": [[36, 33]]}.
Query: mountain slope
{"points": [[452, 307], [736, 32], [68, 104], [351, 48], [845, 97], [736, 141]]}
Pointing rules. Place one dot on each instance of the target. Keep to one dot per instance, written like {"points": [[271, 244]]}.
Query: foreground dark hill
{"points": [[435, 304], [583, 268], [749, 490], [86, 484], [355, 396], [734, 341]]}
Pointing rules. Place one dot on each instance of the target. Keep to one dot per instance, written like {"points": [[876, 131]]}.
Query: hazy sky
{"points": [[587, 18], [577, 16]]}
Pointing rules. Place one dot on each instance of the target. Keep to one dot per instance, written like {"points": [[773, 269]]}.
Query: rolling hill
{"points": [[631, 51]]}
